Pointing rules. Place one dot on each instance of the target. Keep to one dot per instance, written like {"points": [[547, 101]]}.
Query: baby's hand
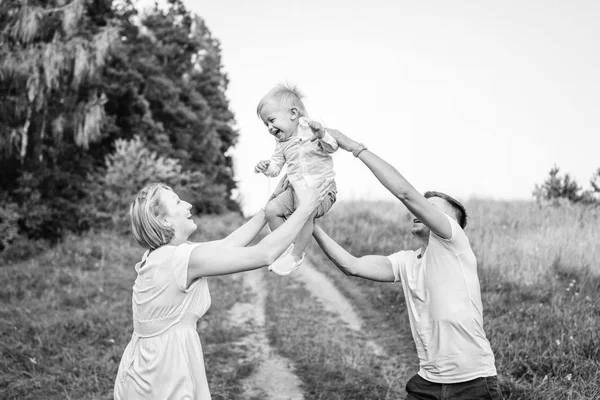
{"points": [[316, 128], [262, 166]]}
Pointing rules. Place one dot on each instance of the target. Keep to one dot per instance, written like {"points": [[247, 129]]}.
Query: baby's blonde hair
{"points": [[149, 228], [284, 94]]}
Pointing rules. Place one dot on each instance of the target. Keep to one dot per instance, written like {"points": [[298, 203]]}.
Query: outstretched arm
{"points": [[393, 181], [243, 235], [375, 268], [208, 259], [328, 143]]}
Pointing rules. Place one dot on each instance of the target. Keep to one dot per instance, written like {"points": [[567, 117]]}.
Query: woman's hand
{"points": [[344, 141], [310, 197], [283, 184]]}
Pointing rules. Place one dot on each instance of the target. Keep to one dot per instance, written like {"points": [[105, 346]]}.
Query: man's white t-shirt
{"points": [[443, 299]]}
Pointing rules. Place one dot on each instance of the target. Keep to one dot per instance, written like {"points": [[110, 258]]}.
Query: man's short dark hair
{"points": [[459, 209]]}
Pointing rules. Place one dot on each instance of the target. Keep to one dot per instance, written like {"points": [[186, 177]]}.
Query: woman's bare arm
{"points": [[210, 260], [246, 233]]}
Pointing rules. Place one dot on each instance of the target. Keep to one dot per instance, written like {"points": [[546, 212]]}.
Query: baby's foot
{"points": [[286, 265], [298, 260]]}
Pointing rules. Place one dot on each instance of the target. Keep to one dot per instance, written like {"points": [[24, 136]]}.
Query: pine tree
{"points": [[595, 182], [556, 188]]}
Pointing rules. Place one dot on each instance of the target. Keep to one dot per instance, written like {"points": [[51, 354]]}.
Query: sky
{"points": [[473, 98]]}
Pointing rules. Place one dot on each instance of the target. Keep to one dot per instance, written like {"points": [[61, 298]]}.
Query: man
{"points": [[440, 284]]}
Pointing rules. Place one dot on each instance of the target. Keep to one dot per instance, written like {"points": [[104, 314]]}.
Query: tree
{"points": [[595, 182], [52, 54], [209, 80], [592, 196], [185, 89], [52, 59], [556, 188], [77, 76]]}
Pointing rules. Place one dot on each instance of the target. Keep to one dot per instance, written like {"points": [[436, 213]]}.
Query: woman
{"points": [[164, 358]]}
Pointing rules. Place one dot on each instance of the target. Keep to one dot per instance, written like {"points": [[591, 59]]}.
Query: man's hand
{"points": [[262, 166]]}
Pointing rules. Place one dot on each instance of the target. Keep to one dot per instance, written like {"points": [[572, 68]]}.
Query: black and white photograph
{"points": [[313, 200]]}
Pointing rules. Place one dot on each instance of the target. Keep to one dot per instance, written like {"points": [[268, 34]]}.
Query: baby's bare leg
{"points": [[275, 215], [303, 238]]}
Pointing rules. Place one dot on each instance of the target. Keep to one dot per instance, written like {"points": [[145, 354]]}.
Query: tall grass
{"points": [[523, 241], [66, 311], [540, 274]]}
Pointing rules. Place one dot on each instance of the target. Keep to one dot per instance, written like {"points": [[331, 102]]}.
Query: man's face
{"points": [[419, 229]]}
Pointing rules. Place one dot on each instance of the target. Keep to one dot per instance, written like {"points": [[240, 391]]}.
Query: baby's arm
{"points": [[262, 166], [273, 166], [328, 143]]}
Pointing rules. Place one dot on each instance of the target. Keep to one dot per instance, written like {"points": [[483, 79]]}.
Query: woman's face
{"points": [[177, 213]]}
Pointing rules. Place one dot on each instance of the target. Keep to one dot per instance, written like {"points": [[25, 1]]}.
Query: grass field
{"points": [[66, 314], [540, 275], [66, 319]]}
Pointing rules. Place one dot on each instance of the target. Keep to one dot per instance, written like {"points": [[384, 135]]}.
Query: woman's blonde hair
{"points": [[149, 228]]}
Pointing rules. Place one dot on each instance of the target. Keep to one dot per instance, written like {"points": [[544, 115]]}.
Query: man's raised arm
{"points": [[393, 181]]}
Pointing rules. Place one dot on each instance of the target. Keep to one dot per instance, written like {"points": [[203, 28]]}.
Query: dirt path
{"points": [[394, 368], [274, 377], [322, 289]]}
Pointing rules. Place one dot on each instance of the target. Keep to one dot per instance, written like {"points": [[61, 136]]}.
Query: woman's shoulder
{"points": [[169, 254], [167, 249], [161, 252], [168, 263]]}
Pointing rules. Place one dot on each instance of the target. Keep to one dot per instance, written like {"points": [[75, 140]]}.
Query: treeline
{"points": [[95, 101]]}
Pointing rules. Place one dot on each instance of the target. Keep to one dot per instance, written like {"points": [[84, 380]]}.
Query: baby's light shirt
{"points": [[307, 162]]}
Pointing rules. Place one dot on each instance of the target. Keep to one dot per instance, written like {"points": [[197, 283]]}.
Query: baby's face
{"points": [[281, 121]]}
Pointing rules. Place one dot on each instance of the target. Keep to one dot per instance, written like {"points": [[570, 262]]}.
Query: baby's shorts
{"points": [[287, 201]]}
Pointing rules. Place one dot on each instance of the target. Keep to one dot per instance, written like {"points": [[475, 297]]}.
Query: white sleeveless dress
{"points": [[164, 358]]}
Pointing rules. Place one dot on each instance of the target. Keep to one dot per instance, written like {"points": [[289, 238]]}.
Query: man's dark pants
{"points": [[478, 389]]}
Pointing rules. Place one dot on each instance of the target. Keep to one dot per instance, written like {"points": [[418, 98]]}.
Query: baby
{"points": [[306, 148]]}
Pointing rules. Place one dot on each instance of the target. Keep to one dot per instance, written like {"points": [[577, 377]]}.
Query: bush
{"points": [[21, 248], [46, 200], [9, 218], [131, 167]]}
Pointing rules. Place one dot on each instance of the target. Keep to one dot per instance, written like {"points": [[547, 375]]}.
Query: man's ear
{"points": [[294, 113]]}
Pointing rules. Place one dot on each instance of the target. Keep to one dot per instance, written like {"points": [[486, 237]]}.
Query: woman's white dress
{"points": [[164, 358]]}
